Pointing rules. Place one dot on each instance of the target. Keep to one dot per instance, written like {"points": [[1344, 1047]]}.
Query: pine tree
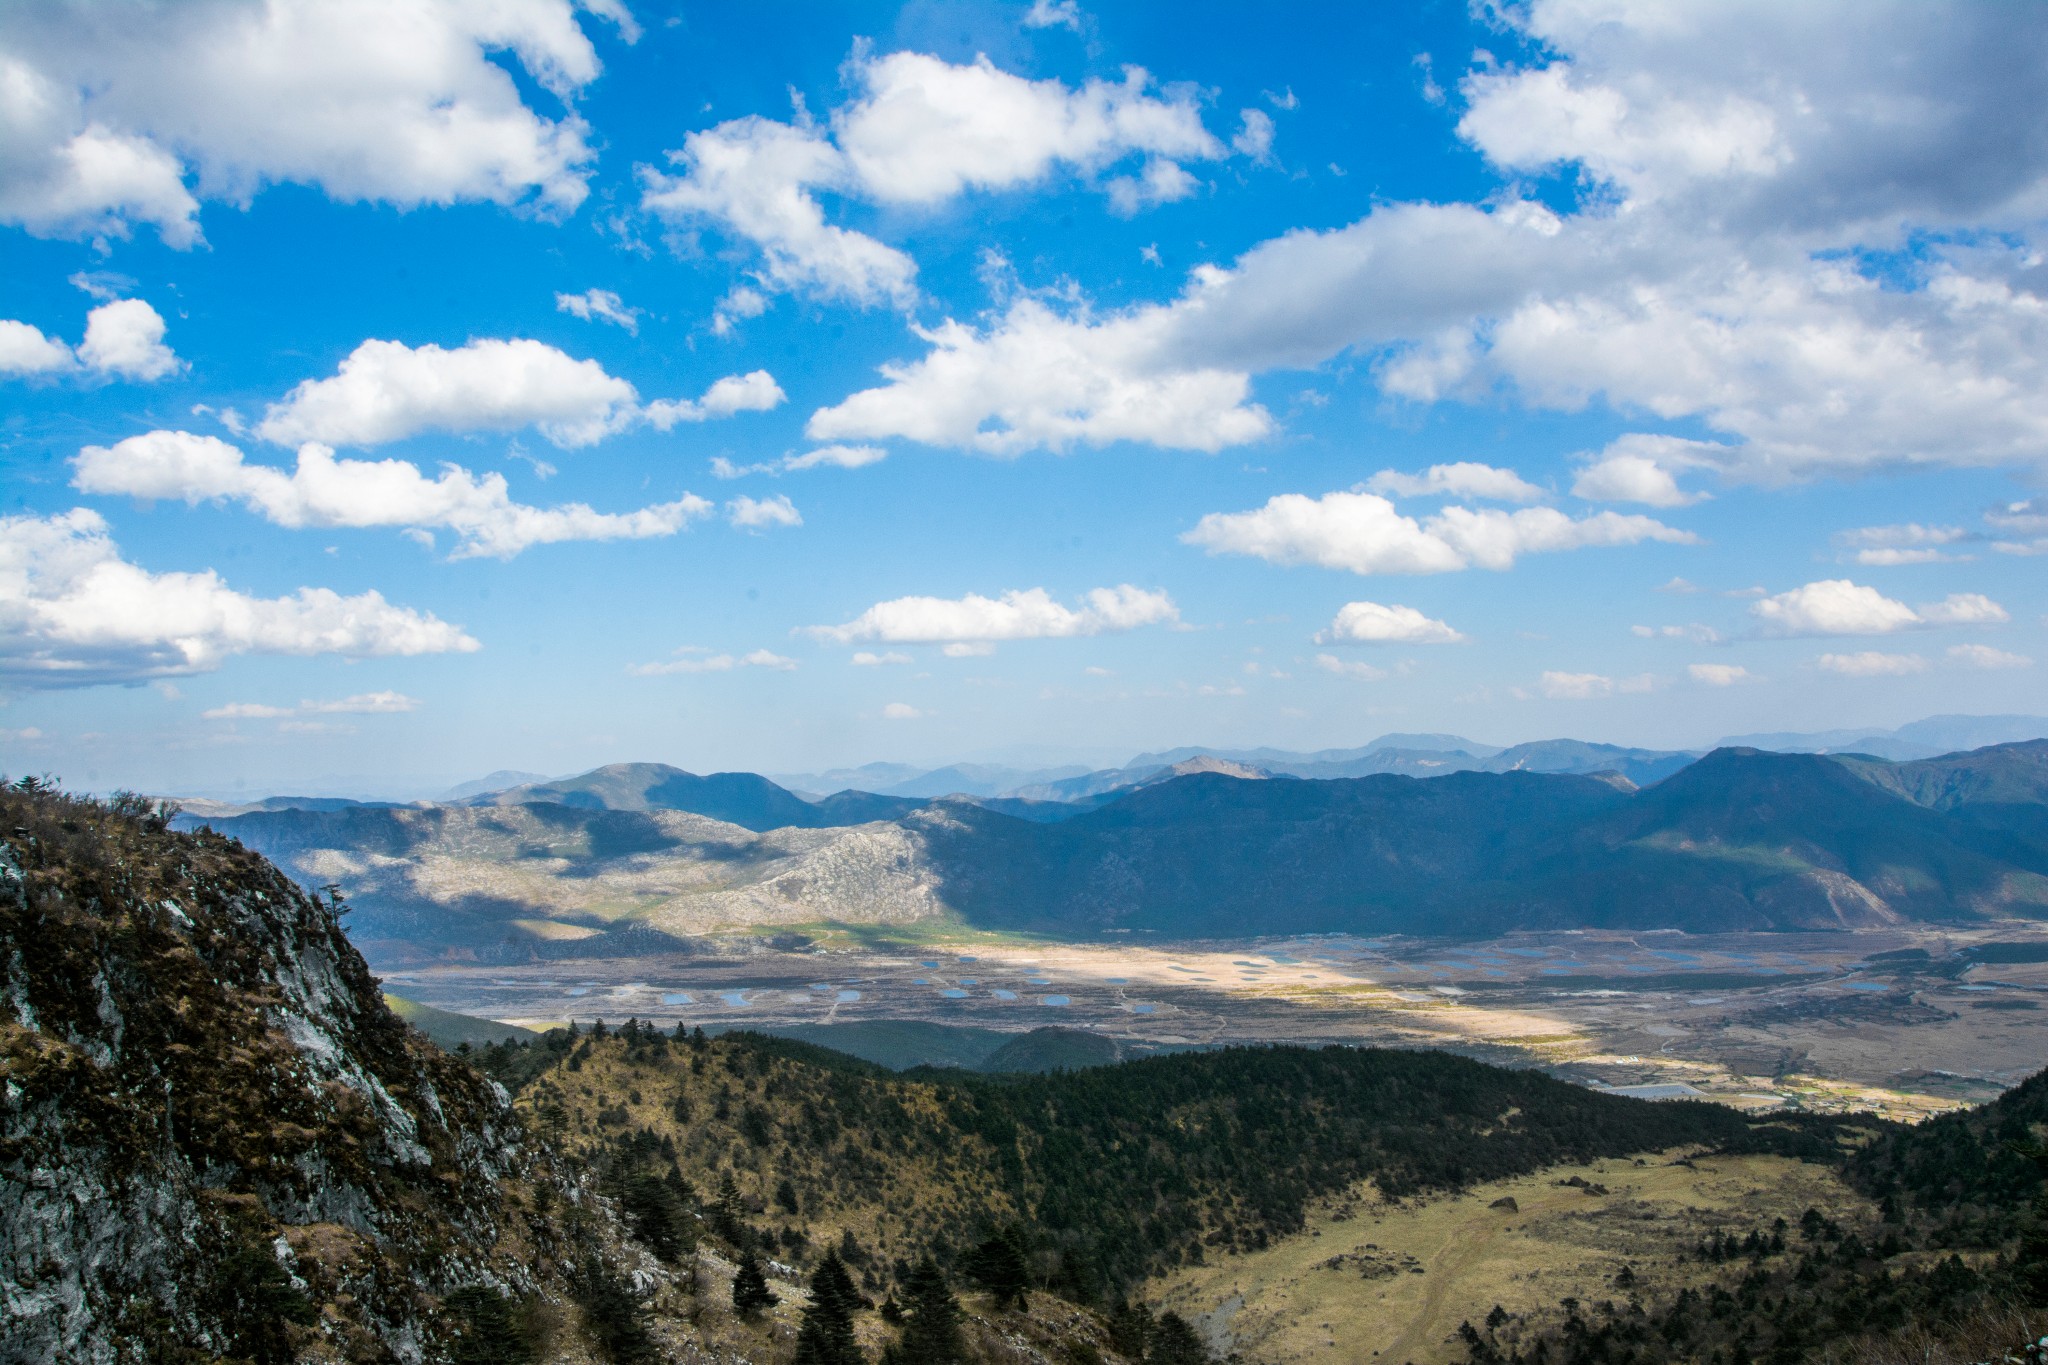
{"points": [[727, 1215], [750, 1291], [1176, 1343], [999, 1266], [826, 1334], [931, 1335]]}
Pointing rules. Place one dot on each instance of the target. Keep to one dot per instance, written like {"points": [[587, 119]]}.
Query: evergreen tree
{"points": [[489, 1330], [1176, 1343], [727, 1215], [826, 1334], [999, 1266], [931, 1333], [750, 1291]]}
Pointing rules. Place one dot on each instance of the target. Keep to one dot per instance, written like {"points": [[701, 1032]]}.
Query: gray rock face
{"points": [[210, 1126]]}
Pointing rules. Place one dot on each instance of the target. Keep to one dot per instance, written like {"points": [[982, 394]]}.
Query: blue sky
{"points": [[400, 391]]}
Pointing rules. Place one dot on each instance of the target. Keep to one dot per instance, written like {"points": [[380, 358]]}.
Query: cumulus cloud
{"points": [[385, 703], [1040, 380], [695, 659], [1719, 675], [1837, 606], [1370, 623], [124, 339], [1161, 182], [824, 457], [386, 391], [901, 710], [1053, 14], [73, 613], [1349, 668], [1465, 479], [1363, 532], [322, 490], [1740, 166], [739, 304], [1575, 686], [1984, 656], [1030, 614], [756, 179], [755, 514], [919, 131], [868, 659], [1696, 631], [600, 305], [24, 350], [119, 116], [753, 392], [1872, 663], [1909, 543], [1626, 476]]}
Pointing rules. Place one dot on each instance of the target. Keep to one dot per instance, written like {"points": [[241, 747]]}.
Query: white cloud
{"points": [[968, 649], [837, 457], [739, 304], [1363, 533], [866, 659], [919, 131], [110, 112], [759, 513], [1742, 166], [1872, 664], [1347, 668], [693, 659], [600, 305], [1254, 134], [1625, 476], [898, 710], [1053, 14], [387, 391], [385, 703], [73, 613], [123, 338], [24, 350], [1373, 624], [1963, 609], [325, 491], [126, 337], [1575, 686], [755, 177], [1834, 606], [824, 457], [1161, 182], [1030, 614], [1465, 479], [1697, 632], [753, 392], [924, 130], [1984, 656], [1720, 675], [1037, 380], [1837, 606]]}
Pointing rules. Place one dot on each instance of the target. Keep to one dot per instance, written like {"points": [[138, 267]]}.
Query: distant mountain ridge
{"points": [[1740, 840]]}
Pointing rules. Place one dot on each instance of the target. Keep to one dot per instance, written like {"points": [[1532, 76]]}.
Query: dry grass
{"points": [[1369, 1281]]}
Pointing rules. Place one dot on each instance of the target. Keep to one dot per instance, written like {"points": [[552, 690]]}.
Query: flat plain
{"points": [[1905, 1021]]}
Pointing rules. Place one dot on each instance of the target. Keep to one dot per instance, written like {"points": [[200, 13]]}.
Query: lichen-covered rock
{"points": [[215, 1140]]}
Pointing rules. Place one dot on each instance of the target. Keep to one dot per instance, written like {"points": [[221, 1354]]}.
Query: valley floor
{"points": [[1370, 1282], [1904, 1021]]}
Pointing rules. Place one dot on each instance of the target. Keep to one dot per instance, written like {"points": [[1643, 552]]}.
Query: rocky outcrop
{"points": [[215, 1140]]}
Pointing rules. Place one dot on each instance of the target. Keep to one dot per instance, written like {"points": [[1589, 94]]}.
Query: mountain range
{"points": [[627, 858]]}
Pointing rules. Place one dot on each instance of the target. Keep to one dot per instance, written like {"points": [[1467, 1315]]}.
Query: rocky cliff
{"points": [[215, 1140]]}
